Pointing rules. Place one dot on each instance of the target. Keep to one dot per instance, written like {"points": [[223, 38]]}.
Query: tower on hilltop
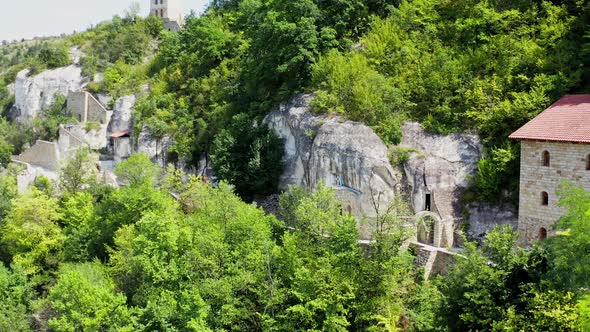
{"points": [[170, 11]]}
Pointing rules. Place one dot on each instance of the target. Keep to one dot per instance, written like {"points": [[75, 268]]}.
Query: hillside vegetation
{"points": [[87, 257], [169, 252], [478, 66]]}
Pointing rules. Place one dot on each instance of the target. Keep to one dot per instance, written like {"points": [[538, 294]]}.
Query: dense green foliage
{"points": [[138, 258], [173, 253], [248, 157]]}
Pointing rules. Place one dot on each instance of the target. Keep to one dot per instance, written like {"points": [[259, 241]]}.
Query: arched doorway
{"points": [[426, 223], [542, 234]]}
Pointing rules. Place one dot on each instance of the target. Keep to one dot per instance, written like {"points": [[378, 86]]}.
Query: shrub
{"points": [[399, 155], [91, 125], [54, 56]]}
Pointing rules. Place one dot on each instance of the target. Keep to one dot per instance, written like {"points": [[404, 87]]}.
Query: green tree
{"points": [[138, 170], [31, 235], [6, 151], [249, 157], [84, 298], [499, 287], [206, 270], [79, 172], [570, 268], [81, 227], [16, 294], [54, 55], [8, 191]]}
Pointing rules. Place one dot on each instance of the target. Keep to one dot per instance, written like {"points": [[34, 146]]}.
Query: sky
{"points": [[29, 18]]}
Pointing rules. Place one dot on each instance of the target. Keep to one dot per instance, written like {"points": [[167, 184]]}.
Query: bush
{"points": [[84, 299], [54, 56], [494, 174], [348, 85], [91, 125], [90, 66], [399, 155], [16, 294]]}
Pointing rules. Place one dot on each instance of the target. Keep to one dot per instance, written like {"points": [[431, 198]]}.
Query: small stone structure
{"points": [[555, 146], [85, 108], [170, 11], [434, 260]]}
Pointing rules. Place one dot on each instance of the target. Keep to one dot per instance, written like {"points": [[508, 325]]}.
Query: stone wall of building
{"points": [[68, 142], [168, 9], [77, 105], [96, 112], [43, 154], [567, 161]]}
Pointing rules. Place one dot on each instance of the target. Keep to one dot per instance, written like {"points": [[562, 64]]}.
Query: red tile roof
{"points": [[568, 120], [124, 133]]}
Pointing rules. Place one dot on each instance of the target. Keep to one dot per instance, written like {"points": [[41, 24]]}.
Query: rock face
{"points": [[437, 174], [35, 93], [347, 156], [121, 119], [352, 159], [155, 149], [484, 217], [439, 169]]}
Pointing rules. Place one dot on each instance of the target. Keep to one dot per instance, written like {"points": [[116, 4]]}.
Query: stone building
{"points": [[170, 11], [555, 146]]}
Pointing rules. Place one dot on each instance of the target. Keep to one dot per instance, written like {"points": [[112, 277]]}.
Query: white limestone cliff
{"points": [[352, 159], [122, 112], [35, 93]]}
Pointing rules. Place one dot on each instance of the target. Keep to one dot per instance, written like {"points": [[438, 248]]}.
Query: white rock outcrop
{"points": [[352, 159], [439, 169], [347, 156], [122, 112], [35, 93], [156, 149]]}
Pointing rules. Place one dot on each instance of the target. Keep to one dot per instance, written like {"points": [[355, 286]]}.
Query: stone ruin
{"points": [[46, 158]]}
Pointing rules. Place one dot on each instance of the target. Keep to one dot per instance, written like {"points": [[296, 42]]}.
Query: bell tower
{"points": [[170, 11]]}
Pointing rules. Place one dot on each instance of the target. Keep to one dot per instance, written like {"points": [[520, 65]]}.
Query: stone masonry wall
{"points": [[77, 105], [567, 162], [97, 112], [43, 154]]}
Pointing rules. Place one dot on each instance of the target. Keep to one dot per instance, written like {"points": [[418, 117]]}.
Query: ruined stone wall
{"points": [[96, 112], [77, 105], [68, 142], [43, 154], [435, 261], [567, 162]]}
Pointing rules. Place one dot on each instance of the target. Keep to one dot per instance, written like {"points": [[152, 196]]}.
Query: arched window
{"points": [[542, 233], [544, 198], [588, 162], [546, 159]]}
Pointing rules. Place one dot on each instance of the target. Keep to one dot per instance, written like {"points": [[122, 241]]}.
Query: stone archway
{"points": [[428, 227]]}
